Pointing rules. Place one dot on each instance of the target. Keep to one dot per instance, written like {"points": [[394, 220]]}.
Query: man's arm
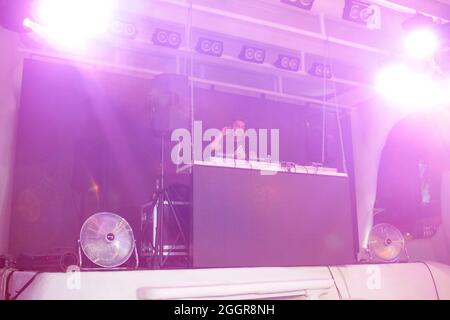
{"points": [[214, 145]]}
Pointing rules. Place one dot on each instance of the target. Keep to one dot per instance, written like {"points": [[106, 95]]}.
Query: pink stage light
{"points": [[421, 44], [408, 88], [72, 23]]}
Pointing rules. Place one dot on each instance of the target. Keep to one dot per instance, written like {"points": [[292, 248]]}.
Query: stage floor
{"points": [[388, 281]]}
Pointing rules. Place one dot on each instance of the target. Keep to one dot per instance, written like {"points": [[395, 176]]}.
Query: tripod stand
{"points": [[161, 208]]}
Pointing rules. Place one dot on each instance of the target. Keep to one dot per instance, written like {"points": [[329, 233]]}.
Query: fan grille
{"points": [[386, 242], [107, 239]]}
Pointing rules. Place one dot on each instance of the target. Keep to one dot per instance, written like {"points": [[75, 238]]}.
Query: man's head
{"points": [[239, 128], [239, 124]]}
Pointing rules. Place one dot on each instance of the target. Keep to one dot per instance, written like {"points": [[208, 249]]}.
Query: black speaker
{"points": [[170, 103]]}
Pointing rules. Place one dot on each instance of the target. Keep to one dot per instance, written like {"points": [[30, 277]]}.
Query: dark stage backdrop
{"points": [[85, 145], [300, 126]]}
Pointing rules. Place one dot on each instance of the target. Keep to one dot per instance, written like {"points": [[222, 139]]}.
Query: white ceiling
{"points": [[435, 8]]}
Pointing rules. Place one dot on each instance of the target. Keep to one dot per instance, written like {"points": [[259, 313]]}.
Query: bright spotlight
{"points": [[408, 88], [72, 23], [421, 44]]}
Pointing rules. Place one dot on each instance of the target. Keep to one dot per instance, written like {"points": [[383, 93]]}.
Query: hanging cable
{"points": [[189, 67], [337, 109], [324, 90]]}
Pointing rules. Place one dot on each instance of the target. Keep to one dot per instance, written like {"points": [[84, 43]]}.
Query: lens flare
{"points": [[72, 23], [421, 44], [27, 22], [404, 86]]}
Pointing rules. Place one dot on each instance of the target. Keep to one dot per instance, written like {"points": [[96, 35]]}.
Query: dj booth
{"points": [[240, 213], [261, 214]]}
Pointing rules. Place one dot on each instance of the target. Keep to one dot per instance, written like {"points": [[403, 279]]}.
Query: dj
{"points": [[230, 143]]}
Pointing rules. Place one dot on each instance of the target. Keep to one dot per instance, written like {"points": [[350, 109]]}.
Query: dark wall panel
{"points": [[84, 145]]}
